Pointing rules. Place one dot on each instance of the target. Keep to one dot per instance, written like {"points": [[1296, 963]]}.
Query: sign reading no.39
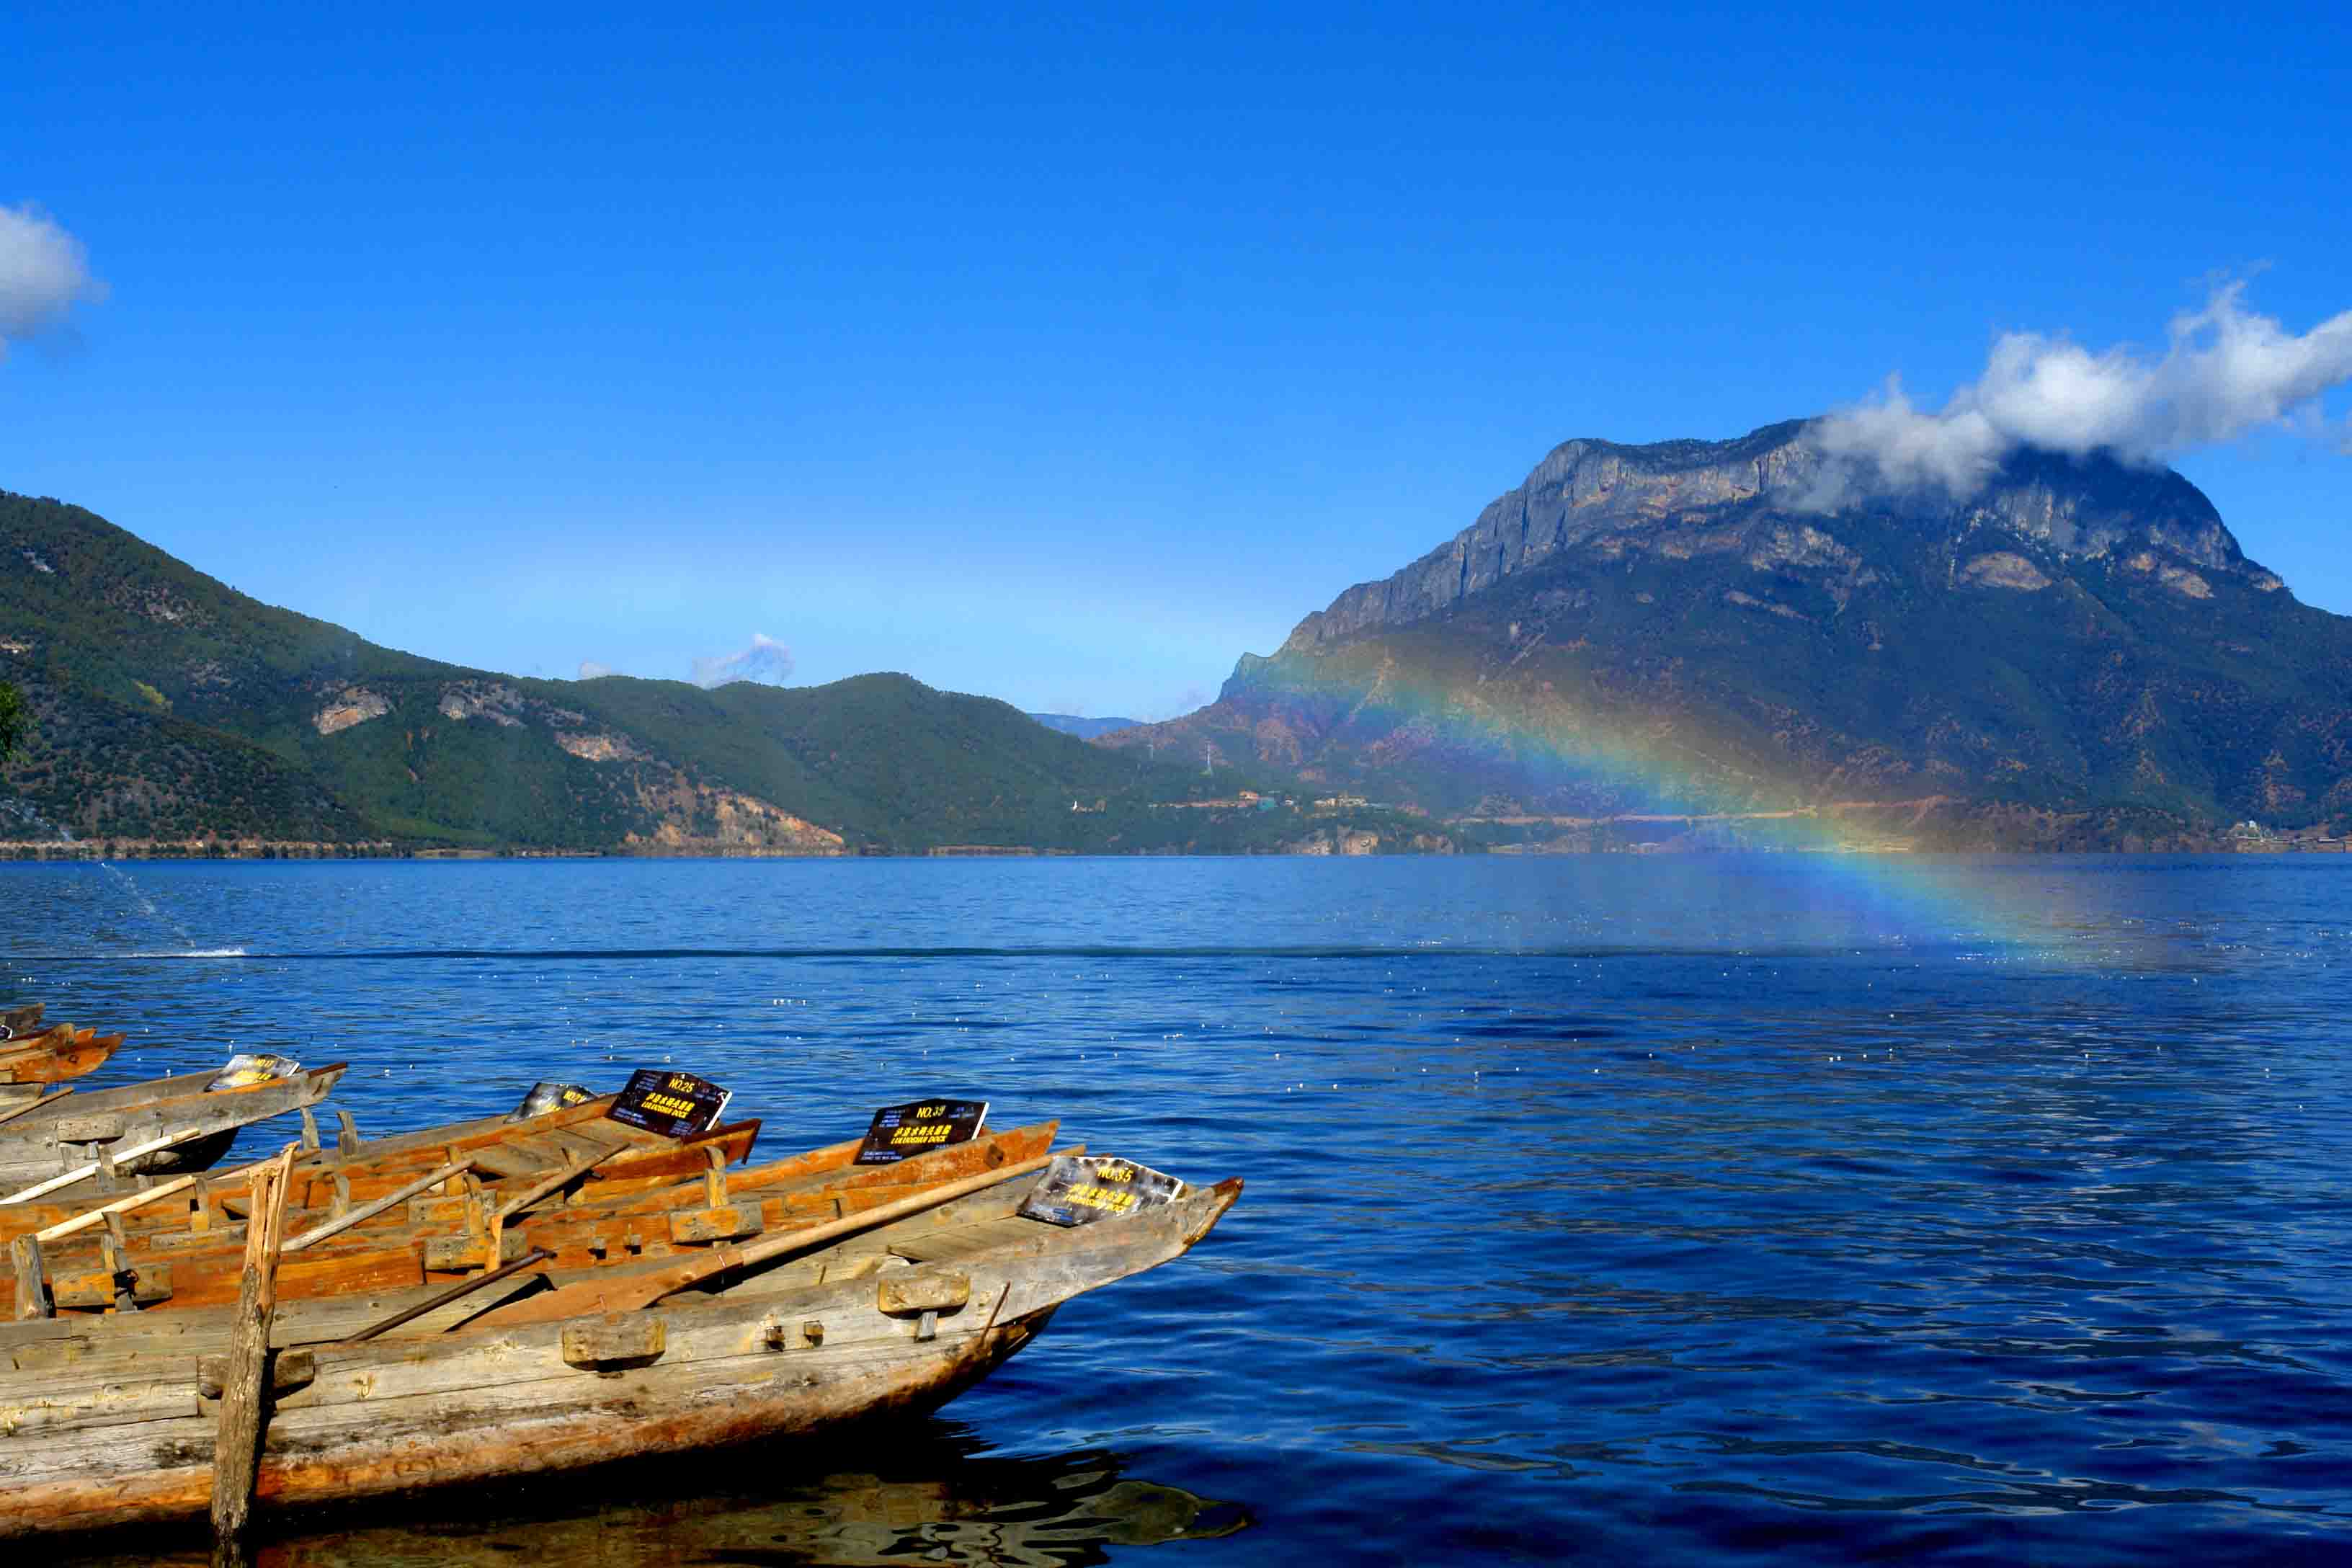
{"points": [[919, 1127]]}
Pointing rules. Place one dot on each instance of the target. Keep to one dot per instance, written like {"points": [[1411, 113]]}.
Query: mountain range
{"points": [[2076, 654], [1085, 729], [171, 711], [1707, 637]]}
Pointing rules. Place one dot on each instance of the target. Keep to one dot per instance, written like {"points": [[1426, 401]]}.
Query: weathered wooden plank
{"points": [[82, 1173], [288, 1370], [98, 1216], [622, 1339], [10, 1112], [30, 1148], [365, 1212], [237, 1445], [32, 1281], [102, 1289]]}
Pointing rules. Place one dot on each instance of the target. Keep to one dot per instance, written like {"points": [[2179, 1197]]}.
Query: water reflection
{"points": [[908, 1492]]}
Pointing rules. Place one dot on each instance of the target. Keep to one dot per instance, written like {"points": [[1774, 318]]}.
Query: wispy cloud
{"points": [[765, 659], [592, 670], [2225, 372], [44, 274]]}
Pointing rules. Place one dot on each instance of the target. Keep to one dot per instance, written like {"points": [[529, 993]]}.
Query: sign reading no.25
{"points": [[678, 1104]]}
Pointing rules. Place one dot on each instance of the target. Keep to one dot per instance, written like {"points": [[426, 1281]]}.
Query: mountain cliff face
{"points": [[1759, 497], [1734, 626]]}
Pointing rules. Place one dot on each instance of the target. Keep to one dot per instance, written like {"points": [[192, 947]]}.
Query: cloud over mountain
{"points": [[765, 659], [44, 273], [2225, 371]]}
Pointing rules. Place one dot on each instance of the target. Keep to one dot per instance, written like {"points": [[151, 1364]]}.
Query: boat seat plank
{"points": [[967, 1240]]}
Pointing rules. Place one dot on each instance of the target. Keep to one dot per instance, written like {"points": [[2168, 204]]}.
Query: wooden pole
{"points": [[237, 1447], [461, 1289], [64, 1228], [32, 1283], [119, 1156], [546, 1184], [366, 1212]]}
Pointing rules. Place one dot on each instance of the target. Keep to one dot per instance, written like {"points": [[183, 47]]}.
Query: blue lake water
{"points": [[1708, 1209]]}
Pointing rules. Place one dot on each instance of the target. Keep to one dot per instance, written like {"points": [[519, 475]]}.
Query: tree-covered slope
{"points": [[168, 705]]}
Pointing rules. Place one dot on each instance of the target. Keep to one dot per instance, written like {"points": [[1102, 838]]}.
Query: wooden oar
{"points": [[461, 1289], [555, 1179], [365, 1212], [592, 1295], [81, 1222], [121, 1157]]}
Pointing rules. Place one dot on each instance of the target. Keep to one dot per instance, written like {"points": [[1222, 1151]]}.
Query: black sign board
{"points": [[676, 1104], [899, 1131], [1080, 1189]]}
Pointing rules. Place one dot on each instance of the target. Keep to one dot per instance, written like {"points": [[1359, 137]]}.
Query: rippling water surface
{"points": [[1603, 1208]]}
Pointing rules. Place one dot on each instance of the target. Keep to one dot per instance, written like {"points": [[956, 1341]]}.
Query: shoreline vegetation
{"points": [[1647, 834]]}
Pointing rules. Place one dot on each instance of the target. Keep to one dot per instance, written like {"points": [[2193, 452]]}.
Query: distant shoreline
{"points": [[97, 850]]}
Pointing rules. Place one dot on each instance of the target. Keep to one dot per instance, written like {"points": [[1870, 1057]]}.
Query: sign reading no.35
{"points": [[1080, 1189]]}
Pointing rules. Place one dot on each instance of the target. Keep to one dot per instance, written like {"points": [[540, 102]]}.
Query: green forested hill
{"points": [[168, 706]]}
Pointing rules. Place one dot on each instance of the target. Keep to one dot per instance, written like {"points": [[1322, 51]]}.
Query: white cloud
{"points": [[765, 659], [44, 273], [2225, 372], [592, 670]]}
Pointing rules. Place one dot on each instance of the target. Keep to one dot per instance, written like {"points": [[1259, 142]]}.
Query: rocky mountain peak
{"points": [[1772, 497]]}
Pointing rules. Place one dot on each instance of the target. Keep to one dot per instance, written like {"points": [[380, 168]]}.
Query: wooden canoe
{"points": [[440, 1238], [356, 1170], [112, 1425], [68, 1131], [55, 1055]]}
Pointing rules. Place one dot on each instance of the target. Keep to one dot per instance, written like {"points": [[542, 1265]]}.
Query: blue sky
{"points": [[1065, 357]]}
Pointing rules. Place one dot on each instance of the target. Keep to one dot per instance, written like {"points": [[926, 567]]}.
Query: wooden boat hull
{"points": [[126, 1438], [373, 1165], [57, 1135], [55, 1055]]}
